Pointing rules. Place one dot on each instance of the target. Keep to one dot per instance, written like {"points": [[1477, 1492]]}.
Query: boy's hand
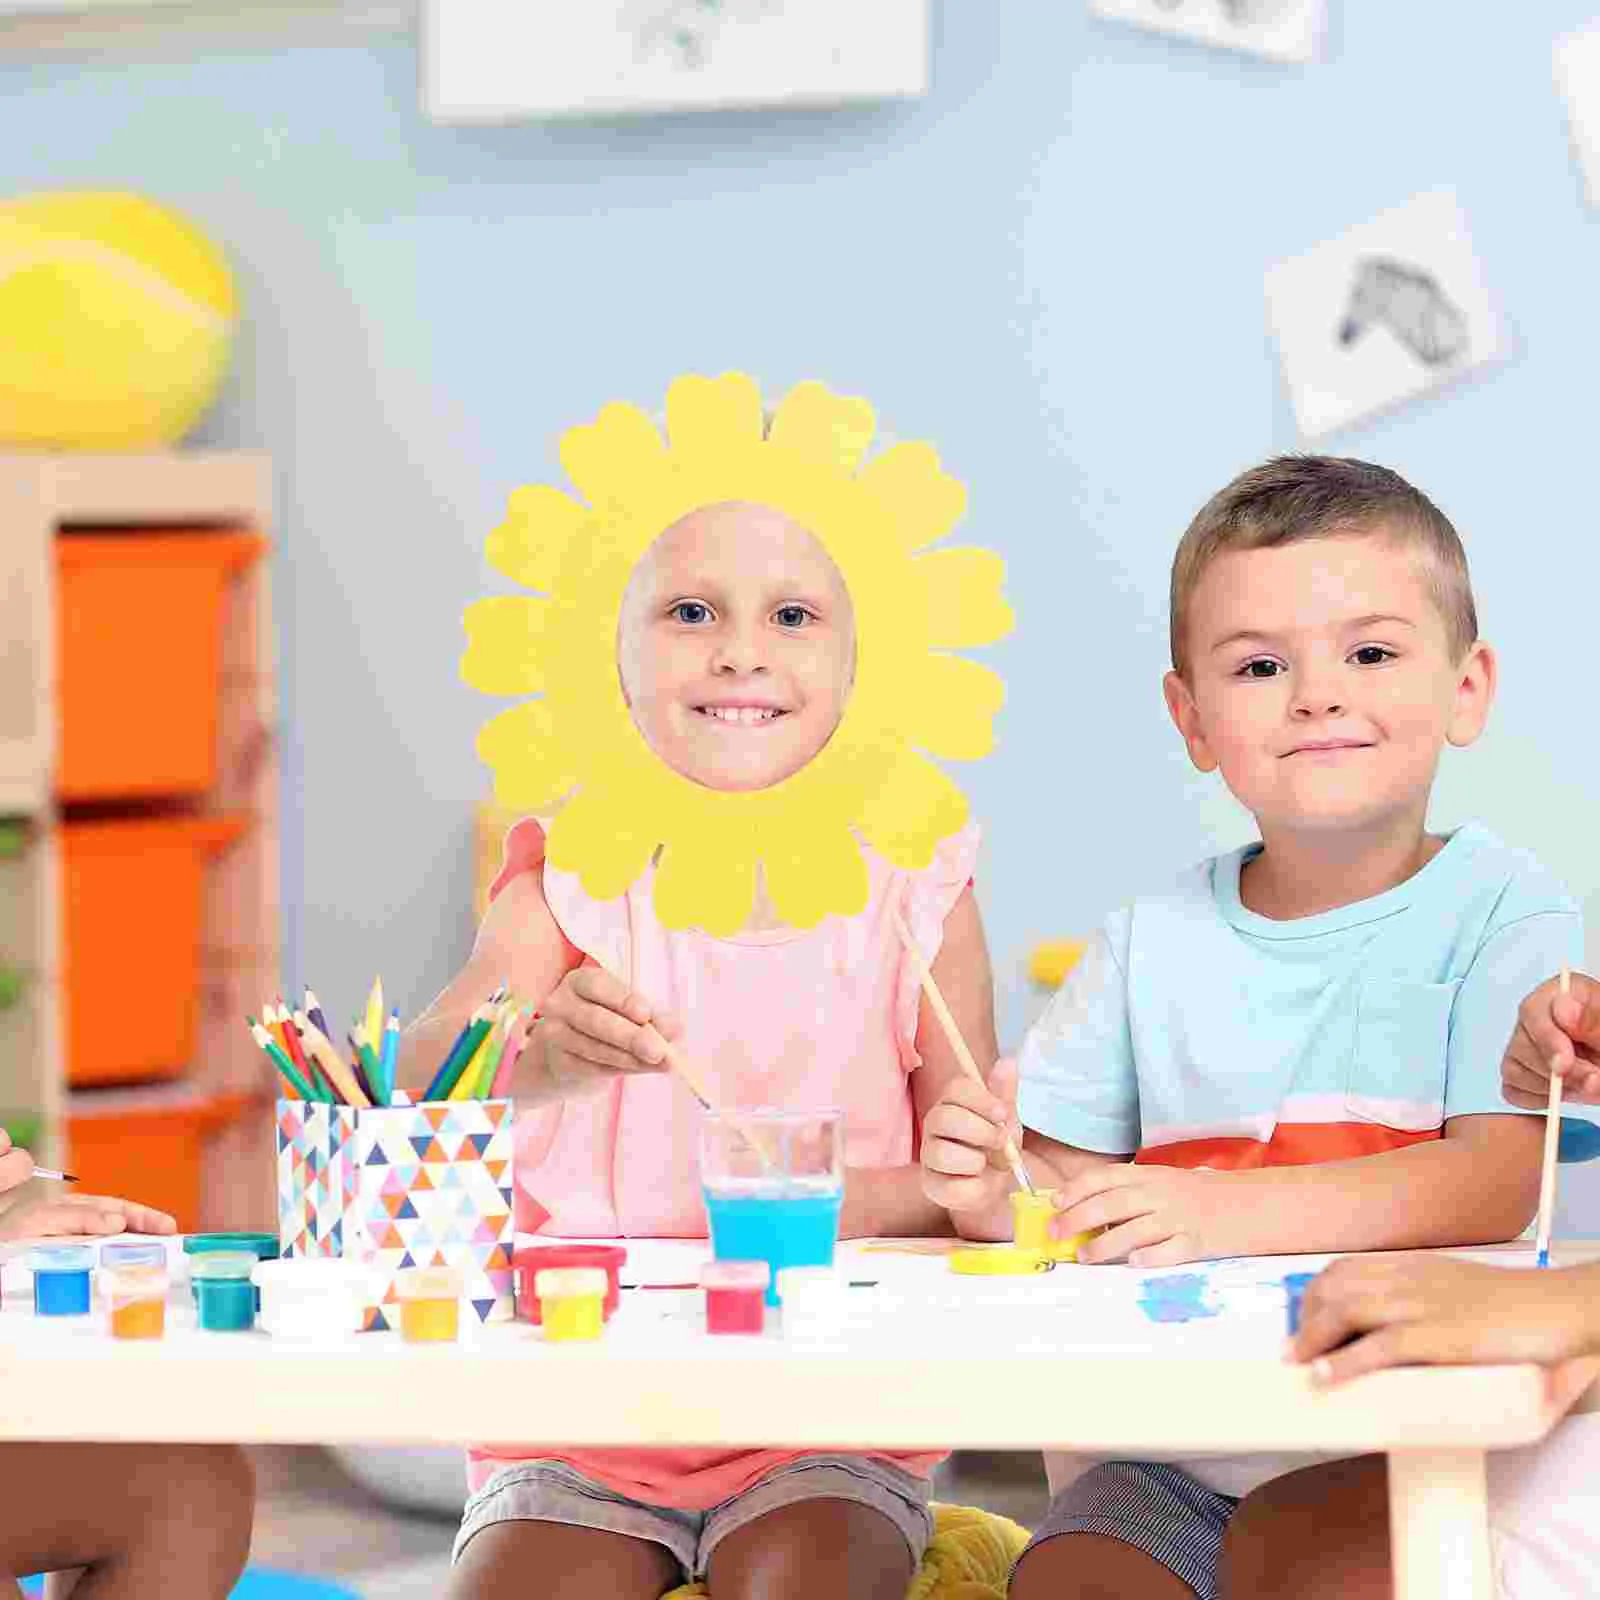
{"points": [[593, 1027], [1558, 1029], [1152, 1216], [82, 1214], [1448, 1313], [964, 1165], [16, 1165]]}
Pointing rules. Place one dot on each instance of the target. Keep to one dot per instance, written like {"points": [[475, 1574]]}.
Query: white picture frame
{"points": [[1281, 30], [1389, 310], [495, 60], [1577, 66]]}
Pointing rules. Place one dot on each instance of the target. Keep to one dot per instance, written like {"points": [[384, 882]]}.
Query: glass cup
{"points": [[773, 1184]]}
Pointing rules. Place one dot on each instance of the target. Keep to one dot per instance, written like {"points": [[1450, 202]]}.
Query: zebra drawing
{"points": [[1411, 305]]}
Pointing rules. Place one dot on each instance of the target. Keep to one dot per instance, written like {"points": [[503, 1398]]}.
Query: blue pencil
{"points": [[390, 1058], [451, 1063]]}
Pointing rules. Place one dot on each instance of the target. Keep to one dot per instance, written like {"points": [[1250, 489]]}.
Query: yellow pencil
{"points": [[467, 1082], [375, 1015]]}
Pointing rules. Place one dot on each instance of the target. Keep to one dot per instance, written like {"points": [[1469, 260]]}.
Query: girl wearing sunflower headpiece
{"points": [[725, 807]]}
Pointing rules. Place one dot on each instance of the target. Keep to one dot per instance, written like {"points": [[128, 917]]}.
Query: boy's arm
{"points": [[1477, 1185], [889, 1201]]}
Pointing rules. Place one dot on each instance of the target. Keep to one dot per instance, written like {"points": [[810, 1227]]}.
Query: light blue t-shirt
{"points": [[1202, 1034]]}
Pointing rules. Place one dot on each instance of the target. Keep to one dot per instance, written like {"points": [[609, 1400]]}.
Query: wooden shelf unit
{"points": [[40, 497]]}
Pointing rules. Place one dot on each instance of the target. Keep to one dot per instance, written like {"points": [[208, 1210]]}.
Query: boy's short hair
{"points": [[1292, 498]]}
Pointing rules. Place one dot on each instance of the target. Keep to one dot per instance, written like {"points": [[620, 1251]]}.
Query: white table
{"points": [[926, 1363]]}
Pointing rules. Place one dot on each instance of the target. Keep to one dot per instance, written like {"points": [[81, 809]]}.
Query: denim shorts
{"points": [[552, 1491], [1159, 1509]]}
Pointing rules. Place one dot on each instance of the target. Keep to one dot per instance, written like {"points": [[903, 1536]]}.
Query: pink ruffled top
{"points": [[825, 1017]]}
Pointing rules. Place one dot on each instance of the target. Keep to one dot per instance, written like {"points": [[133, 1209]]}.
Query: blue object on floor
{"points": [[259, 1583]]}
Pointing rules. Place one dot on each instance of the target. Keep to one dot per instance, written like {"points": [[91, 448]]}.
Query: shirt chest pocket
{"points": [[1397, 1064]]}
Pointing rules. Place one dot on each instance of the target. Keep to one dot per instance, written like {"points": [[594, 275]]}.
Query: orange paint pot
{"points": [[133, 1280], [430, 1304], [139, 1319]]}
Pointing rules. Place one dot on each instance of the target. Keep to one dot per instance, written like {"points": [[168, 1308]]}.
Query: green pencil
{"points": [[280, 1059], [466, 1048]]}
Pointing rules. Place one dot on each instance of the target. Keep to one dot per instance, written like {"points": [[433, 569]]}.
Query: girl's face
{"points": [[736, 646]]}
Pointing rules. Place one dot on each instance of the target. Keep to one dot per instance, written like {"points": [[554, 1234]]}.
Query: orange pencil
{"points": [[333, 1068]]}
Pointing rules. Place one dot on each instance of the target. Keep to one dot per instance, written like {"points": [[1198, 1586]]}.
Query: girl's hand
{"points": [[1151, 1216], [964, 1165], [1559, 1029], [592, 1027], [82, 1214], [1440, 1312], [16, 1165]]}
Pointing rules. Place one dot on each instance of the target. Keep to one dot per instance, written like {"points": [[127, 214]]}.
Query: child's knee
{"points": [[205, 1485]]}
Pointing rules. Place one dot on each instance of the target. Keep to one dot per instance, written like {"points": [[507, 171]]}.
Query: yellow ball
{"points": [[116, 320]]}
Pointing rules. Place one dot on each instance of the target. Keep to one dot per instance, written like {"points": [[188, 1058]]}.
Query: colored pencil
{"points": [[314, 1012], [369, 1063], [374, 1022], [516, 1039], [333, 1069], [1552, 1141], [953, 1035], [279, 1059], [481, 1073], [456, 1062], [467, 1078], [291, 1048], [449, 1059], [389, 1061], [269, 1021]]}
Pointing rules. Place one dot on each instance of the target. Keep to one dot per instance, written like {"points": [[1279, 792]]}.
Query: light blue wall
{"points": [[1052, 267]]}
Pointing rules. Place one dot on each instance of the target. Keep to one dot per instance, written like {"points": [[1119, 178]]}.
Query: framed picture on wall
{"points": [[487, 60], [1284, 30], [1578, 75], [1393, 308]]}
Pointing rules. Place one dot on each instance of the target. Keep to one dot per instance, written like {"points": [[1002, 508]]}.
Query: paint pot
{"points": [[225, 1298], [736, 1295], [133, 1282], [1031, 1217], [1294, 1288], [61, 1279], [998, 1260], [263, 1246], [311, 1297], [430, 1304], [571, 1302], [536, 1258], [813, 1301]]}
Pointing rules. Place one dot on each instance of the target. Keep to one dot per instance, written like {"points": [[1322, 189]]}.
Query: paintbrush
{"points": [[1552, 1140]]}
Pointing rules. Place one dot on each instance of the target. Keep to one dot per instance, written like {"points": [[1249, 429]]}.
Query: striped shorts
{"points": [[1172, 1517]]}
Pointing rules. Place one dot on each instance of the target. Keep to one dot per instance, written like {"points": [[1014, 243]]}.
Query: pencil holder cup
{"points": [[316, 1176], [418, 1186]]}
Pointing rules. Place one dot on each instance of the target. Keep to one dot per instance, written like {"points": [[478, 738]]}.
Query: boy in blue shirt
{"points": [[1297, 1048]]}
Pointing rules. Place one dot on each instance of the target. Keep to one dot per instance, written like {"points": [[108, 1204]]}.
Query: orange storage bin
{"points": [[139, 659], [149, 1154], [133, 900]]}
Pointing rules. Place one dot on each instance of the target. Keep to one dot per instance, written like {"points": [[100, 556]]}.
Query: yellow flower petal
{"points": [[540, 523], [965, 605], [711, 414], [816, 873], [601, 836], [533, 768], [912, 809], [503, 654], [953, 714], [920, 498], [706, 879], [617, 460], [831, 429]]}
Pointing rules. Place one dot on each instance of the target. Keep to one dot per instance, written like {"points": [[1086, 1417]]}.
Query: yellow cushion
{"points": [[968, 1558]]}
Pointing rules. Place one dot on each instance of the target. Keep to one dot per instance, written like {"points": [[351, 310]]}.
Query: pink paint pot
{"points": [[736, 1295], [536, 1258]]}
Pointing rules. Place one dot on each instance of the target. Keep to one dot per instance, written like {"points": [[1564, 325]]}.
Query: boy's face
{"points": [[1321, 682], [736, 646]]}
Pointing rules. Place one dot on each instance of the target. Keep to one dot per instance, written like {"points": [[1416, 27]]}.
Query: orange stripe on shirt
{"points": [[1294, 1144]]}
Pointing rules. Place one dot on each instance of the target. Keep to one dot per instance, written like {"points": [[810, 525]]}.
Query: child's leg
{"points": [[168, 1520], [848, 1527], [1127, 1530], [1319, 1534], [541, 1527], [559, 1561]]}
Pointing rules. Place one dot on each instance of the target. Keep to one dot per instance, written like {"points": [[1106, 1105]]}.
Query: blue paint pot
{"points": [[263, 1246], [224, 1295], [61, 1279], [1294, 1288]]}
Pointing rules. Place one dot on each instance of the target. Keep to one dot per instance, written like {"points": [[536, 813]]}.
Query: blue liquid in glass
{"points": [[792, 1228]]}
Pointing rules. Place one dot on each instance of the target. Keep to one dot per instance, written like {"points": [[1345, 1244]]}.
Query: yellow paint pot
{"points": [[572, 1302], [430, 1304], [1031, 1216], [999, 1260]]}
